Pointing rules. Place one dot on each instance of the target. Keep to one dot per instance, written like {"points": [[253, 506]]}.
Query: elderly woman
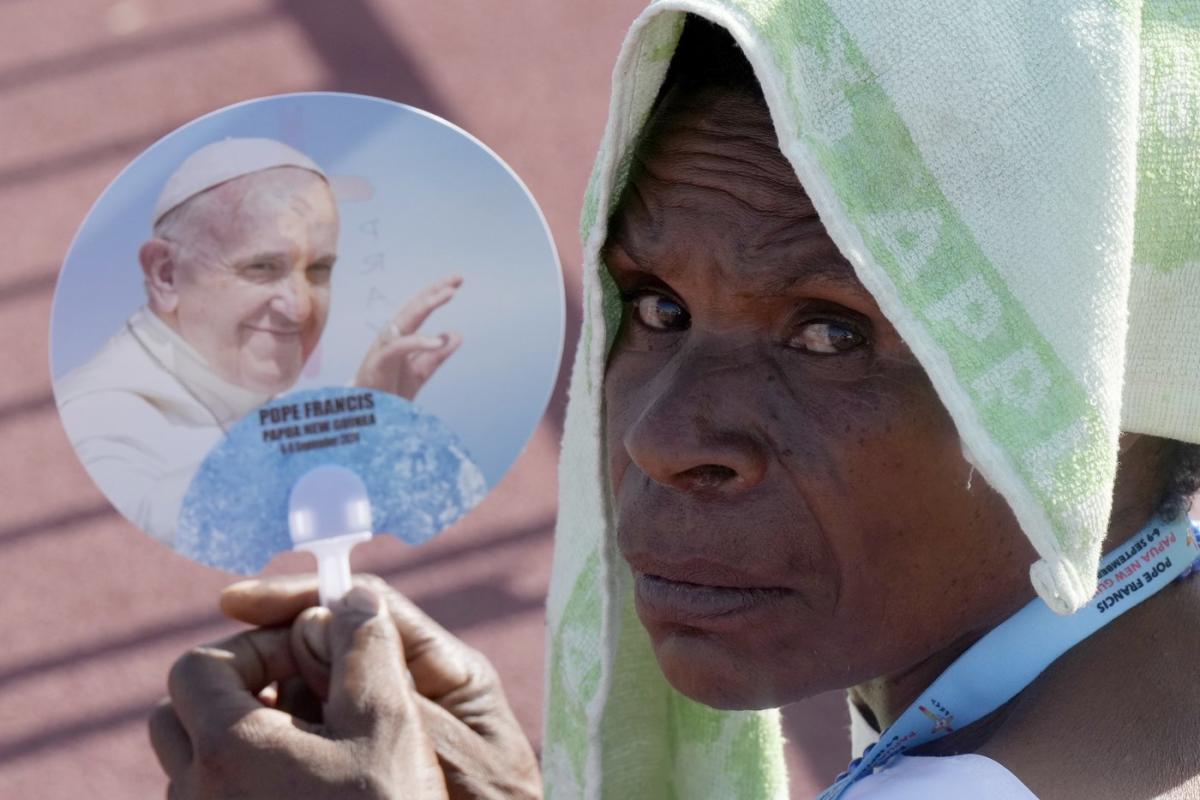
{"points": [[845, 375]]}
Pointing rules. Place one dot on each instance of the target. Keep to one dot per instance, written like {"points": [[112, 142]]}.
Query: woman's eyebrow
{"points": [[822, 271], [617, 242], [828, 273]]}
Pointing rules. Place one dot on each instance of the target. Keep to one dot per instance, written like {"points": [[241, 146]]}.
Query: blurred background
{"points": [[93, 611]]}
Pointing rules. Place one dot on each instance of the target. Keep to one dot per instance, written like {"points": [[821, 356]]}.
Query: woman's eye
{"points": [[826, 337], [659, 312]]}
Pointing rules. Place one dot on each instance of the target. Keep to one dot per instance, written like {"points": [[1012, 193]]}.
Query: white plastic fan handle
{"points": [[328, 513]]}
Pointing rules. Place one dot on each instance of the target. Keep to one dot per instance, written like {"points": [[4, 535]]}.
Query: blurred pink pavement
{"points": [[94, 612]]}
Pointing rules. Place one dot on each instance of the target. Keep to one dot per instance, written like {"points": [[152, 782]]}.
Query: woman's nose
{"points": [[697, 437]]}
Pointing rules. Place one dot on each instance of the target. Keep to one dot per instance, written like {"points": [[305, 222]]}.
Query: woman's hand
{"points": [[481, 749], [215, 737]]}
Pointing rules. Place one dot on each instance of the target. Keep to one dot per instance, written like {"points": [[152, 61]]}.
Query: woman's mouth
{"points": [[662, 600]]}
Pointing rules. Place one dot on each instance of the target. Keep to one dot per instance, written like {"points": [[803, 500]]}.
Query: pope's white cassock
{"points": [[143, 413]]}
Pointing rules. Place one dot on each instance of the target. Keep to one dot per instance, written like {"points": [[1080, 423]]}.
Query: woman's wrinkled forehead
{"points": [[709, 161], [714, 126]]}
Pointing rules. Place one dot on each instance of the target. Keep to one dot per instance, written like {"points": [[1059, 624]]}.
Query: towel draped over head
{"points": [[1017, 184]]}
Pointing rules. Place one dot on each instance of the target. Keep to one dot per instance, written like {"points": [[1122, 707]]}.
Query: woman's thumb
{"points": [[369, 682]]}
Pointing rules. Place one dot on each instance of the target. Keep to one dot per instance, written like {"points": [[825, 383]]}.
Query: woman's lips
{"points": [[669, 601]]}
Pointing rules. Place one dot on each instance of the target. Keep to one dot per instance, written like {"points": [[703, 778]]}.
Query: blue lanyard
{"points": [[1002, 663]]}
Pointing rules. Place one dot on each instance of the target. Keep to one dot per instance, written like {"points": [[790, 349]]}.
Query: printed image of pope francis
{"points": [[237, 274]]}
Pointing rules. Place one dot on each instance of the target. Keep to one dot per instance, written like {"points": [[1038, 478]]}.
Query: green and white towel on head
{"points": [[1018, 185]]}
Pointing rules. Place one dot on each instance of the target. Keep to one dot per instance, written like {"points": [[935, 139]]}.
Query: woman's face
{"points": [[790, 493]]}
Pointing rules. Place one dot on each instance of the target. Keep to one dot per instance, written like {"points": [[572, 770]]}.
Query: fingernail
{"points": [[243, 586], [316, 638], [362, 600]]}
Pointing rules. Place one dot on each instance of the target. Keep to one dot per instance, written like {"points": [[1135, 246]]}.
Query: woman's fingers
{"points": [[269, 601], [371, 698], [233, 742], [170, 741], [220, 682], [216, 738], [297, 698], [440, 664], [499, 767], [368, 684], [310, 646]]}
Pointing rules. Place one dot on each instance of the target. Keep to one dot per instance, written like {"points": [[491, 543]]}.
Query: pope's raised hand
{"points": [[401, 359]]}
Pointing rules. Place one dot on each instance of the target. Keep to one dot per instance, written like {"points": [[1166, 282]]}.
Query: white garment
{"points": [[142, 414], [942, 778], [930, 778], [861, 731]]}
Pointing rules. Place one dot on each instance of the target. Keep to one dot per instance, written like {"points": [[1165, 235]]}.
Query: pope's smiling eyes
{"points": [[266, 271], [660, 313]]}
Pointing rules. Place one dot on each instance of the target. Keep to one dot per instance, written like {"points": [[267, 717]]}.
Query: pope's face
{"points": [[252, 271], [790, 493]]}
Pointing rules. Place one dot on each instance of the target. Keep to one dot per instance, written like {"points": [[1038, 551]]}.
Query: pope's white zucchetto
{"points": [[223, 161]]}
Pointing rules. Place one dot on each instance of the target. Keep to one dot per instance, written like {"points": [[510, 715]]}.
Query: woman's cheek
{"points": [[618, 413]]}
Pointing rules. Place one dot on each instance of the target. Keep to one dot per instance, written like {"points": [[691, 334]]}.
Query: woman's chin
{"points": [[703, 667]]}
